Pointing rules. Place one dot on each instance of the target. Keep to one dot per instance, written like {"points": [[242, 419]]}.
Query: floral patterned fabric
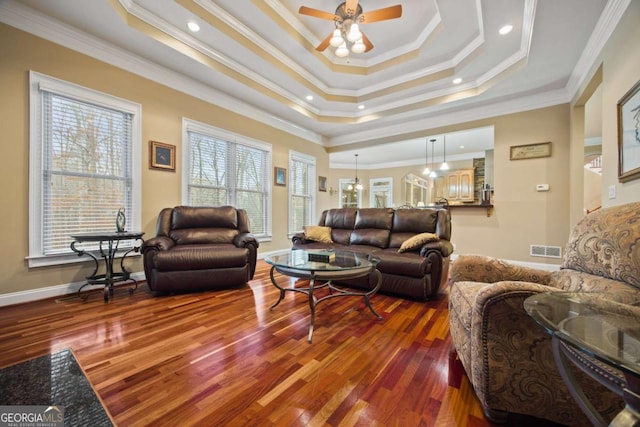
{"points": [[506, 354], [607, 243]]}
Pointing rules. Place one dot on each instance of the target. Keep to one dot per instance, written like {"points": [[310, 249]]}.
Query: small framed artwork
{"points": [[530, 151], [280, 176], [322, 183], [629, 135], [162, 156]]}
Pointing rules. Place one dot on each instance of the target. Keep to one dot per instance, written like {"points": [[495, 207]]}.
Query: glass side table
{"points": [[108, 246], [580, 324]]}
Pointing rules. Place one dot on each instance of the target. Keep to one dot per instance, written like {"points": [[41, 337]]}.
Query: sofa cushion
{"points": [[371, 237], [317, 233], [417, 241], [406, 264], [415, 220], [201, 257], [379, 218], [190, 236], [577, 281], [607, 243], [204, 217], [340, 218]]}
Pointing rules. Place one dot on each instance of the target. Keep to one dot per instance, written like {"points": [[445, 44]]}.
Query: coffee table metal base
{"points": [[325, 279]]}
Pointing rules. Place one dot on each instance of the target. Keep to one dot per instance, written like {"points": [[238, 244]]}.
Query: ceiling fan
{"points": [[347, 17]]}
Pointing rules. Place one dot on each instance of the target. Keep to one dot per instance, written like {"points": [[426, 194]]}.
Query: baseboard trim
{"points": [[49, 292]]}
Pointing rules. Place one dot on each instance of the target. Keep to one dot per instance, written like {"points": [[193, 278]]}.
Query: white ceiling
{"points": [[257, 57]]}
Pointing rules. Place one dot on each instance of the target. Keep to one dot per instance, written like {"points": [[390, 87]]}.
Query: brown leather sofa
{"points": [[200, 248], [417, 273]]}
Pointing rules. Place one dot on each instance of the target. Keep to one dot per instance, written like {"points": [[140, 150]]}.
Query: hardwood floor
{"points": [[223, 358]]}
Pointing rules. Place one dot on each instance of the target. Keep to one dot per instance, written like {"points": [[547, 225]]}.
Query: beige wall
{"points": [[162, 113], [521, 216], [621, 70]]}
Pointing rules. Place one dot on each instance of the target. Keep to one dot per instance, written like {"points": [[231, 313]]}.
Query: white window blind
{"points": [[87, 169], [301, 191], [83, 166], [224, 172]]}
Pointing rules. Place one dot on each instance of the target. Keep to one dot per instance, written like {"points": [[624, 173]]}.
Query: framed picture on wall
{"points": [[629, 135], [280, 176], [322, 183], [162, 156]]}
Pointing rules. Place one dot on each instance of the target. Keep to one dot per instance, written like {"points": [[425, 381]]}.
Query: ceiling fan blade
{"points": [[381, 14], [324, 43], [367, 43], [317, 13], [351, 6]]}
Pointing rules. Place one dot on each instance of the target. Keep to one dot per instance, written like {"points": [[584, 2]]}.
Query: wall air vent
{"points": [[545, 251]]}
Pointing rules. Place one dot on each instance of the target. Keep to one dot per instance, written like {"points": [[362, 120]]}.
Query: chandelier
{"points": [[356, 182]]}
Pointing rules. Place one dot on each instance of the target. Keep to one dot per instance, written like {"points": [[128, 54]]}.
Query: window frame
{"points": [[295, 156], [37, 81], [190, 125]]}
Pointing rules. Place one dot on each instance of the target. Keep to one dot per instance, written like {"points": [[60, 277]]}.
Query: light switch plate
{"points": [[542, 187], [612, 191]]}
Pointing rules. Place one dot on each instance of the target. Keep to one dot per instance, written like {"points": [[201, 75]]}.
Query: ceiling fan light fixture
{"points": [[354, 33], [342, 50], [358, 46], [337, 39]]}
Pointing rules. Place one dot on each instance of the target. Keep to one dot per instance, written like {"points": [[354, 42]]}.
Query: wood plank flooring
{"points": [[223, 358]]}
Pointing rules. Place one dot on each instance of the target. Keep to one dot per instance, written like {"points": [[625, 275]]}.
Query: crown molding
{"points": [[26, 19], [420, 121], [590, 57]]}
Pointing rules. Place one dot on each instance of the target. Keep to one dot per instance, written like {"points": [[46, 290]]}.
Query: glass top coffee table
{"points": [[585, 322], [343, 265]]}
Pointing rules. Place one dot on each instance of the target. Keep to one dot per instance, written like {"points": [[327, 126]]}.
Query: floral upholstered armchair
{"points": [[506, 354]]}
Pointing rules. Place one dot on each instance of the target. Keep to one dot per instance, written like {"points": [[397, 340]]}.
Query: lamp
{"points": [[444, 166], [426, 170], [433, 173], [356, 182]]}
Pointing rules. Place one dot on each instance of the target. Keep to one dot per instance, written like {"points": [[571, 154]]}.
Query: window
{"points": [[349, 197], [381, 195], [84, 166], [221, 168], [302, 178]]}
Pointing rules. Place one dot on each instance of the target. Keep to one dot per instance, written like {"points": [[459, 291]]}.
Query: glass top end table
{"points": [[344, 265], [588, 323]]}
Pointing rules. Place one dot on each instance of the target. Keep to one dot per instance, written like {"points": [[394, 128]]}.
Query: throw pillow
{"points": [[417, 241], [318, 233]]}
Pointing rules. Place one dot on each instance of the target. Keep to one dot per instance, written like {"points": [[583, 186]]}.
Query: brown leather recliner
{"points": [[200, 248]]}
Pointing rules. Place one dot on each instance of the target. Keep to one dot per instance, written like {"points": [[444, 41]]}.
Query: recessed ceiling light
{"points": [[309, 97], [361, 107], [461, 147], [457, 81], [505, 30], [193, 26]]}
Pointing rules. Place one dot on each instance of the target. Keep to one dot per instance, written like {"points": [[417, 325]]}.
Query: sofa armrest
{"points": [[243, 240], [443, 246], [299, 239], [478, 268], [513, 346], [159, 243]]}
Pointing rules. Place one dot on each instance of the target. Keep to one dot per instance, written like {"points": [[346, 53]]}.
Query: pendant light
{"points": [[356, 182], [444, 166], [433, 173], [426, 170]]}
